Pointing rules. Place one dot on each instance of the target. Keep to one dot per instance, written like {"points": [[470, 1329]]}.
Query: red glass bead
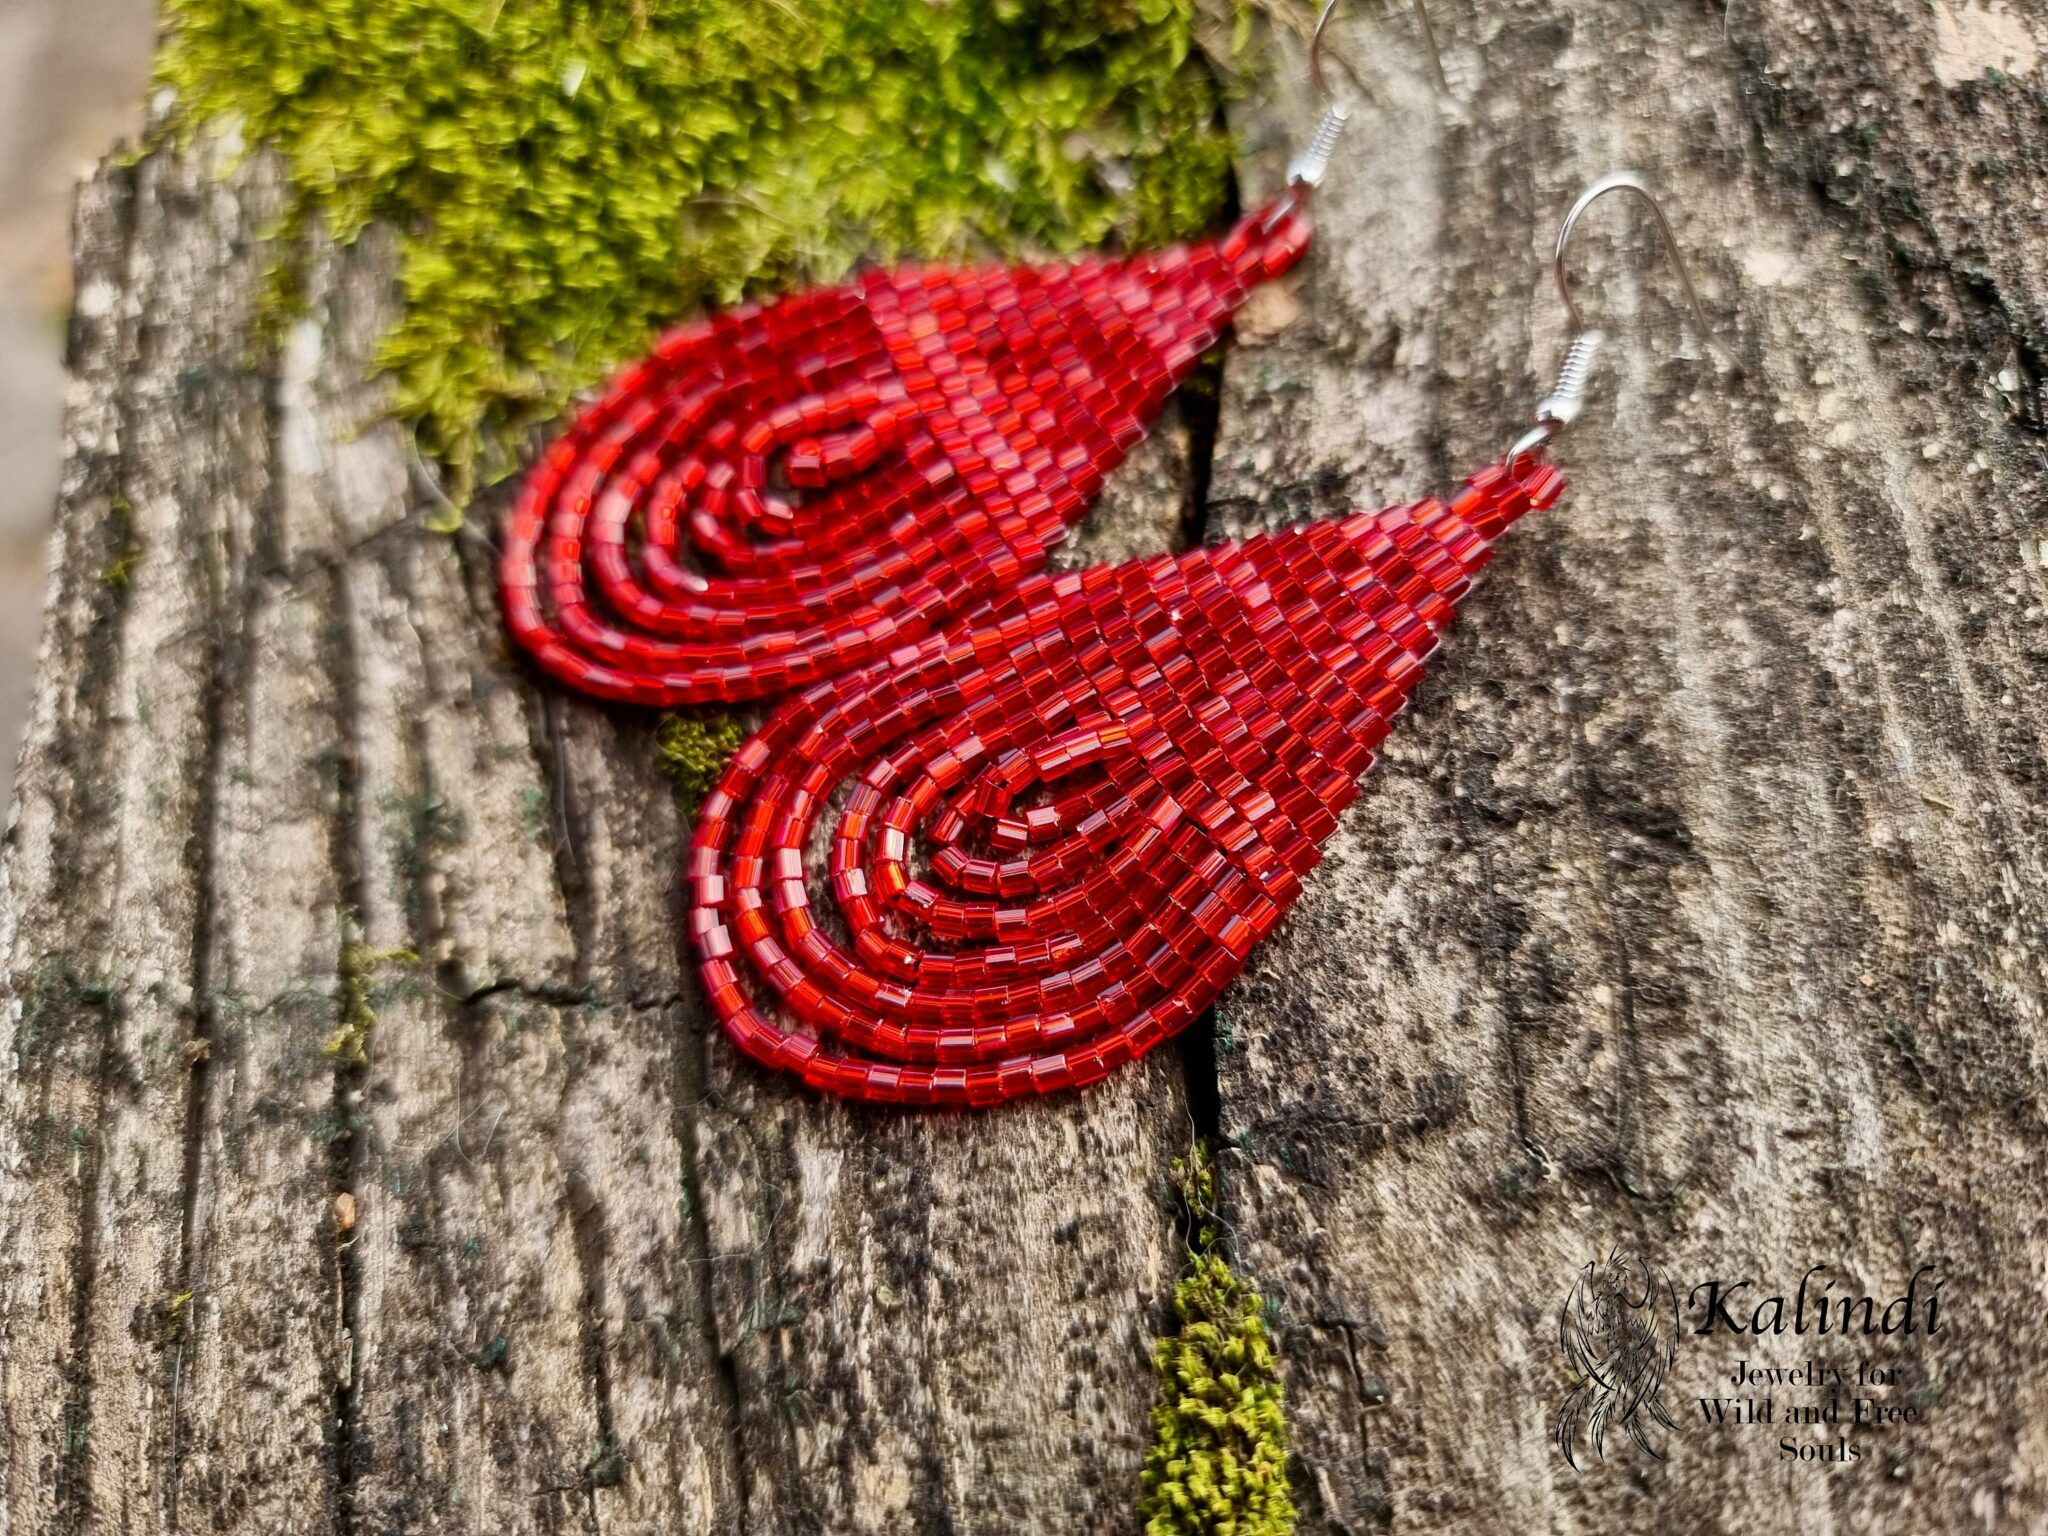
{"points": [[1069, 818], [786, 491]]}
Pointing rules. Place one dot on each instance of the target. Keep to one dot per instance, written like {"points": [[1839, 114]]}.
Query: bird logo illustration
{"points": [[1618, 1329]]}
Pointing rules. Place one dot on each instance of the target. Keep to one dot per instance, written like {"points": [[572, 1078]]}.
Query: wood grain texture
{"points": [[546, 1257], [1696, 908]]}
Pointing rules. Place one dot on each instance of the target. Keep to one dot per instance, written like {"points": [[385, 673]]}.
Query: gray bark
{"points": [[1697, 906]]}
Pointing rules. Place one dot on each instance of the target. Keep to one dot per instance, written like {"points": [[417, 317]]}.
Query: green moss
{"points": [[124, 551], [120, 570], [568, 176], [1218, 1463], [695, 749], [350, 1042]]}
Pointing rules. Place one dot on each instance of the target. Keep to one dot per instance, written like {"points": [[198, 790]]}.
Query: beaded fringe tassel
{"points": [[1073, 814], [781, 493]]}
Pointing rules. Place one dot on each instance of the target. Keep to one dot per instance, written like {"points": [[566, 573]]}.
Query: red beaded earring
{"points": [[813, 483], [1072, 817]]}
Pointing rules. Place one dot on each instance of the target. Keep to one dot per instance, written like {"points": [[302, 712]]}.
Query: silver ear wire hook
{"points": [[1560, 408], [1627, 181], [1312, 163]]}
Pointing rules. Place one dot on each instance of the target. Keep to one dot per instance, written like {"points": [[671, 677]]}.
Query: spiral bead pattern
{"points": [[1010, 857], [786, 491]]}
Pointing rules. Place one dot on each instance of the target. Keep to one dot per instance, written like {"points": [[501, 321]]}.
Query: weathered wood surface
{"points": [[1697, 907], [1700, 905]]}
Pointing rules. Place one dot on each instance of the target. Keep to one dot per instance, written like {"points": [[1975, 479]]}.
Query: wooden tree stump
{"points": [[367, 1163]]}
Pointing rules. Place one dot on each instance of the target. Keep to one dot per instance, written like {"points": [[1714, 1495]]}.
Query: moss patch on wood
{"points": [[350, 1042], [568, 176], [1218, 1463], [694, 748]]}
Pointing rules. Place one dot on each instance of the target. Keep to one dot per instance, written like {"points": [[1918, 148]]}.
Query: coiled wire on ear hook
{"points": [[1313, 162], [1560, 408]]}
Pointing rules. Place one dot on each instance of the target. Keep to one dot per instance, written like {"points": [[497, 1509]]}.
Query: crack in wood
{"points": [[95, 350], [347, 1154]]}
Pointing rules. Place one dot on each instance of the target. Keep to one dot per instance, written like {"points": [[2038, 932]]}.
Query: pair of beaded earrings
{"points": [[1072, 804]]}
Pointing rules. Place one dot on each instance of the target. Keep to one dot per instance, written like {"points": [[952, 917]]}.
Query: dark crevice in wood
{"points": [[550, 724], [1499, 933], [1607, 835], [347, 1153], [95, 705], [606, 1466], [1612, 1158], [767, 1428], [232, 601], [689, 1071], [692, 1043], [1628, 1094], [1200, 404], [1204, 1081], [425, 924], [72, 1503], [931, 1506], [555, 995], [1375, 1502], [2029, 356], [1200, 398]]}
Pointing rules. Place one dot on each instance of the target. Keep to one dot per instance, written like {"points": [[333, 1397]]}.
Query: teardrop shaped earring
{"points": [[816, 481], [1073, 815]]}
